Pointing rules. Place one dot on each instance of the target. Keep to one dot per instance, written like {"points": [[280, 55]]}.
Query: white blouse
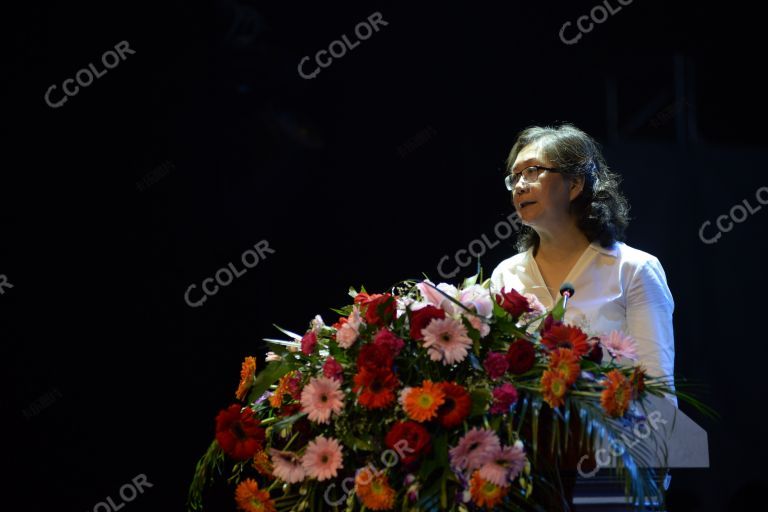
{"points": [[616, 288]]}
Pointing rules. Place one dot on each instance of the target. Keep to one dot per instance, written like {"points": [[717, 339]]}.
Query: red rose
{"points": [[512, 302], [239, 433], [421, 318], [521, 356], [379, 308], [410, 440], [374, 358], [387, 340]]}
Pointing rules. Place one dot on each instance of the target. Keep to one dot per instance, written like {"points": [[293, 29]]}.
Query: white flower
{"points": [[478, 297]]}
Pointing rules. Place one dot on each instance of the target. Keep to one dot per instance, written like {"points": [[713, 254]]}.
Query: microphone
{"points": [[567, 291]]}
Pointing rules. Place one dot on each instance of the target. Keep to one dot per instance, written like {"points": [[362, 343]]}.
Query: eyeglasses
{"points": [[529, 174]]}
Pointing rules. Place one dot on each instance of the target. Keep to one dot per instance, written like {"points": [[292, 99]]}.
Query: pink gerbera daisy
{"points": [[504, 465], [287, 466], [321, 397], [446, 340], [474, 449], [619, 344], [322, 458]]}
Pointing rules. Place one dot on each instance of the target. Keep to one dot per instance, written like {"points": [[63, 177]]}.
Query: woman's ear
{"points": [[576, 186]]}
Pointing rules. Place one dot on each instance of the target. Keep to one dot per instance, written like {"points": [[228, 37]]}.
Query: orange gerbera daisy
{"points": [[377, 388], [252, 499], [247, 374], [553, 387], [421, 403], [276, 399], [374, 490], [617, 393], [566, 363], [262, 464], [484, 493]]}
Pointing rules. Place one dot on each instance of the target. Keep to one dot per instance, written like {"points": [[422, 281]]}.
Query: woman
{"points": [[574, 217]]}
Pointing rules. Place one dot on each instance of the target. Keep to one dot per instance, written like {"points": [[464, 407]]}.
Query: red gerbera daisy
{"points": [[238, 432], [560, 335], [456, 407], [377, 388]]}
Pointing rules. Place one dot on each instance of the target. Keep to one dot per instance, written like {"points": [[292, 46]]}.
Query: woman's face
{"points": [[543, 203]]}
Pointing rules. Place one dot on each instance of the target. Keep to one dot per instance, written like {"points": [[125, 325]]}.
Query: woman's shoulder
{"points": [[633, 257], [510, 266], [510, 263]]}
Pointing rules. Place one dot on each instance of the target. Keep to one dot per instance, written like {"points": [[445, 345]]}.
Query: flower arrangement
{"points": [[427, 397]]}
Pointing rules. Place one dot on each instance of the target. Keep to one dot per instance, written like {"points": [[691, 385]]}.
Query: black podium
{"points": [[672, 439]]}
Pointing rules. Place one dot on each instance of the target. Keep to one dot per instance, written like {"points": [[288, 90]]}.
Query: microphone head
{"points": [[567, 287]]}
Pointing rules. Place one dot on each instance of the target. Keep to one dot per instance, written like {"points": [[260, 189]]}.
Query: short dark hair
{"points": [[601, 210]]}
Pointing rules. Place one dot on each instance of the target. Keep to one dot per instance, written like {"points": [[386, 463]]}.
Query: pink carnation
{"points": [[332, 369], [308, 343], [495, 364], [387, 340], [503, 397]]}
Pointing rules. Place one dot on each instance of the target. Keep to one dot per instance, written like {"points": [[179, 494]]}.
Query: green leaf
{"points": [[287, 421], [480, 398], [357, 443], [558, 311], [345, 311], [440, 449], [428, 466], [268, 376], [469, 281]]}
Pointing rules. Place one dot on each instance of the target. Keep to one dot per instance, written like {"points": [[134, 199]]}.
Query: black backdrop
{"points": [[206, 141]]}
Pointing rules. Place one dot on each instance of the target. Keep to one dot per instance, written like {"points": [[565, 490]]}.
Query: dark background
{"points": [[320, 169]]}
